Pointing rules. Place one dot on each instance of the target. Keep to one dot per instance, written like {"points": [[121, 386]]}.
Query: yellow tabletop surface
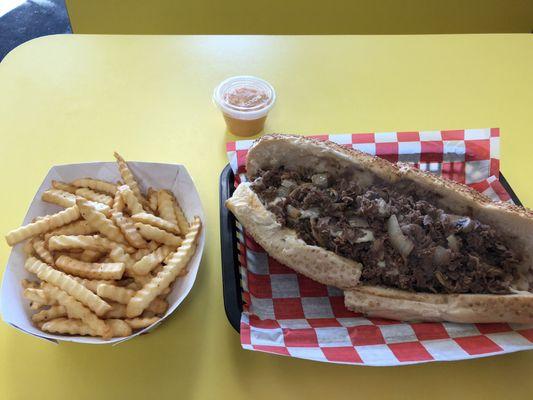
{"points": [[68, 99]]}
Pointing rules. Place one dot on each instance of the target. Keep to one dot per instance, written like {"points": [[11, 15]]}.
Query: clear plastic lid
{"points": [[244, 97]]}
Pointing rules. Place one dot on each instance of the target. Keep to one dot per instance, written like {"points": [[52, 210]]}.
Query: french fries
{"points": [[66, 199], [150, 261], [68, 284], [150, 219], [128, 230], [170, 272], [44, 225], [159, 235], [91, 195], [99, 222], [75, 309], [119, 254], [28, 248], [152, 199], [129, 179], [59, 197], [50, 313], [64, 186], [100, 263], [152, 245], [118, 203], [165, 208], [96, 184], [39, 246], [90, 255], [83, 242], [132, 202], [141, 323], [158, 306], [141, 280], [117, 327], [25, 283], [180, 217], [110, 271], [116, 293], [67, 326], [81, 227], [117, 311], [36, 296]]}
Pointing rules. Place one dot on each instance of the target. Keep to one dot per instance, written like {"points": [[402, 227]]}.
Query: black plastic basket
{"points": [[228, 239]]}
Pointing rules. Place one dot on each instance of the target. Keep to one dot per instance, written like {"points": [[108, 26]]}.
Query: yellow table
{"points": [[66, 99]]}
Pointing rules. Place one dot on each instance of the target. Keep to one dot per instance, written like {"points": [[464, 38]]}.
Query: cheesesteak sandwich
{"points": [[402, 243]]}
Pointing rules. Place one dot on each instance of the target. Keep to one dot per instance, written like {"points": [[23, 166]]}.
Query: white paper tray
{"points": [[15, 309]]}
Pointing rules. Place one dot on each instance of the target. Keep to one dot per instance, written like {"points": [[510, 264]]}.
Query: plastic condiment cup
{"points": [[245, 102]]}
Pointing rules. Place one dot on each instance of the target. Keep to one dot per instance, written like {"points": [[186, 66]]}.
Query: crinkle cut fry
{"points": [[44, 225], [36, 296], [49, 314], [119, 255], [66, 199], [150, 261], [76, 309], [68, 284], [94, 242], [41, 250], [152, 199], [80, 227], [96, 184], [132, 202], [129, 231], [99, 221], [119, 294], [141, 323], [158, 306], [64, 186], [170, 272], [68, 326], [84, 242], [88, 255], [129, 179], [111, 271], [159, 235], [165, 207], [91, 284], [160, 223], [117, 311], [89, 194], [180, 217], [61, 198], [118, 202]]}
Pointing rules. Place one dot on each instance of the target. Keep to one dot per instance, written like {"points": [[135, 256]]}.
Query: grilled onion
{"points": [[288, 183], [399, 241], [320, 180], [310, 213], [367, 237], [453, 243], [358, 222], [293, 212], [441, 256]]}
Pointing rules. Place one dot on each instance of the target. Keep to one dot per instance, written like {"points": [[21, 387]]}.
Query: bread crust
{"points": [[283, 244], [469, 308]]}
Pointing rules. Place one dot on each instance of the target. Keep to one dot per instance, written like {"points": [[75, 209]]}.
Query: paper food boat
{"points": [[15, 309]]}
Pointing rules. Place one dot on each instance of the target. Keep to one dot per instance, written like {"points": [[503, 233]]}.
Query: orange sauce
{"points": [[245, 127]]}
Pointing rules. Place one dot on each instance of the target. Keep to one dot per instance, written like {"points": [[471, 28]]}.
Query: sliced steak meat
{"points": [[433, 251]]}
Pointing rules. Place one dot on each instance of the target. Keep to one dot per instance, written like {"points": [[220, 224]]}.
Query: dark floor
{"points": [[21, 21]]}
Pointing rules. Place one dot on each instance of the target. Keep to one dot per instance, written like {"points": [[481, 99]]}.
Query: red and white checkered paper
{"points": [[286, 313]]}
